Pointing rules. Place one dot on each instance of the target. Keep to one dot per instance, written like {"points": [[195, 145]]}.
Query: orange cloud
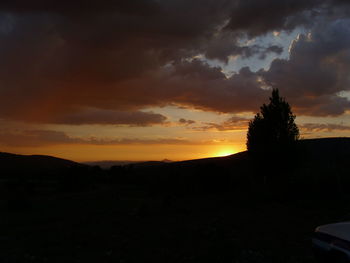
{"points": [[38, 138]]}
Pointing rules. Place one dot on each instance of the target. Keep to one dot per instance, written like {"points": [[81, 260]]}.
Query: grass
{"points": [[125, 224]]}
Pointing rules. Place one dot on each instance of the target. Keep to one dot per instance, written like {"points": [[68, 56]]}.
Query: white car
{"points": [[331, 243]]}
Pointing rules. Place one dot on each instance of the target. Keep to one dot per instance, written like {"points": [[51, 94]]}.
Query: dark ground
{"points": [[122, 223], [211, 210]]}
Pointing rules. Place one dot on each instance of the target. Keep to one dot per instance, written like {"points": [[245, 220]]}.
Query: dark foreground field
{"points": [[124, 224], [229, 209]]}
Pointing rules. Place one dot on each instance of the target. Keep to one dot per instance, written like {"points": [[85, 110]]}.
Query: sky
{"points": [[166, 79]]}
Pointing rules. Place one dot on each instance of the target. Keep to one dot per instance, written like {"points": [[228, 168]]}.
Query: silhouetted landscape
{"points": [[208, 210], [115, 117]]}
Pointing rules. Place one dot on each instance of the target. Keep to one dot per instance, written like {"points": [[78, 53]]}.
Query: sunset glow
{"points": [[182, 82], [224, 152]]}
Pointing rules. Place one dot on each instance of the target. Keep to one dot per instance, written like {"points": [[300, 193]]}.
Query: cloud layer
{"points": [[232, 124], [38, 138], [324, 127], [60, 60], [316, 71]]}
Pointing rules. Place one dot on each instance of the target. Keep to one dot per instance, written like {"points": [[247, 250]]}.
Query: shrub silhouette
{"points": [[273, 130]]}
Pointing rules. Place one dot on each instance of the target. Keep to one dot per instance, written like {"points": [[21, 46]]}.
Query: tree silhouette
{"points": [[273, 130]]}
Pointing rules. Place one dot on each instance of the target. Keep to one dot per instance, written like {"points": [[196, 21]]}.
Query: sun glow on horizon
{"points": [[226, 151], [138, 152]]}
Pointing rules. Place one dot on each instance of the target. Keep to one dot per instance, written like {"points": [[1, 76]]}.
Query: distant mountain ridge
{"points": [[109, 163]]}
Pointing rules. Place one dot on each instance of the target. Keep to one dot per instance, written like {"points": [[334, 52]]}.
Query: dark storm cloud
{"points": [[35, 138], [196, 84], [224, 45], [189, 84], [58, 58], [316, 71], [106, 117], [222, 50], [79, 6], [137, 118], [256, 17]]}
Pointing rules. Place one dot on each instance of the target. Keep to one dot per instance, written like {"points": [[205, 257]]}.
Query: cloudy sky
{"points": [[175, 79]]}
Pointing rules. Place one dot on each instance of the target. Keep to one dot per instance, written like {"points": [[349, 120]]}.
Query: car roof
{"points": [[339, 230]]}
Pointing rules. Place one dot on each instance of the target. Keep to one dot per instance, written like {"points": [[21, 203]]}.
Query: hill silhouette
{"points": [[317, 152], [30, 164], [321, 150], [325, 148], [321, 165]]}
